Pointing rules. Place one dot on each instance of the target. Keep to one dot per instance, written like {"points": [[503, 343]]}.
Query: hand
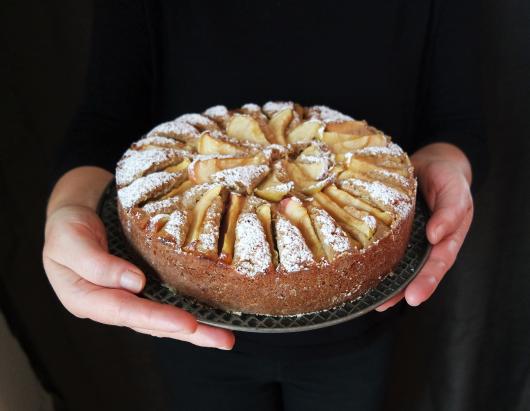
{"points": [[444, 176], [91, 283]]}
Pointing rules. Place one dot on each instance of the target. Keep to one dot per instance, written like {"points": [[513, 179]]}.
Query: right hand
{"points": [[91, 283]]}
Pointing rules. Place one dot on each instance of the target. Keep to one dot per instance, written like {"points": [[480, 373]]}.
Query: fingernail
{"points": [[438, 234], [131, 281], [225, 348]]}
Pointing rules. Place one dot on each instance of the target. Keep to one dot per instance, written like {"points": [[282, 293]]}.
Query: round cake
{"points": [[279, 209]]}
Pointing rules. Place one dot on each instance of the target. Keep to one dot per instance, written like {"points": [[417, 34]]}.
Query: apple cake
{"points": [[279, 209]]}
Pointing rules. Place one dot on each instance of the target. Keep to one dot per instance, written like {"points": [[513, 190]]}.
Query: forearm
{"points": [[442, 152], [81, 186]]}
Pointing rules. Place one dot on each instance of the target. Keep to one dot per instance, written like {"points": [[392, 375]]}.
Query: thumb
{"points": [[451, 203], [80, 245]]}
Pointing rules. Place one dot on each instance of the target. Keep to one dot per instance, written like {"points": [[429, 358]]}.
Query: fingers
{"points": [[390, 303], [115, 306], [442, 257], [204, 336], [450, 205], [80, 246]]}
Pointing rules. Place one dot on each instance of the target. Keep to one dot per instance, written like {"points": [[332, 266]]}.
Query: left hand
{"points": [[444, 176]]}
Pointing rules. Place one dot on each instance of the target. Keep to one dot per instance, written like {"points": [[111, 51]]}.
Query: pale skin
{"points": [[93, 284]]}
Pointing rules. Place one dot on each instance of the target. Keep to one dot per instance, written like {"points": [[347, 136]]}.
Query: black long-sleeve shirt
{"points": [[409, 67]]}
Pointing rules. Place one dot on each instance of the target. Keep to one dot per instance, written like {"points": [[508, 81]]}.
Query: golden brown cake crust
{"points": [[275, 293], [278, 210]]}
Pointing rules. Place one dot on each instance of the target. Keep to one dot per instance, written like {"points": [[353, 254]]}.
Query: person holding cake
{"points": [[411, 74]]}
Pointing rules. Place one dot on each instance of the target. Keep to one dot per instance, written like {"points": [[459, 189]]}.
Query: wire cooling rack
{"points": [[415, 256]]}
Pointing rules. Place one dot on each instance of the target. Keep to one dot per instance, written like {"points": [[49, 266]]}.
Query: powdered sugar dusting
{"points": [[332, 234], [176, 226], [155, 141], [216, 111], [137, 163], [282, 188], [174, 129], [391, 150], [382, 195], [196, 120], [156, 221], [190, 197], [142, 188], [295, 255], [397, 178], [243, 178], [252, 252], [161, 206], [209, 236], [251, 107], [272, 107], [328, 115], [370, 221], [274, 151]]}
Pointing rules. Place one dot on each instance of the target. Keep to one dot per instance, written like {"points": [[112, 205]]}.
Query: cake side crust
{"points": [[272, 292]]}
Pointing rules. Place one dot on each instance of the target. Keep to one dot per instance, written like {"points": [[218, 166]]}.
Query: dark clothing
{"points": [[201, 379], [406, 66]]}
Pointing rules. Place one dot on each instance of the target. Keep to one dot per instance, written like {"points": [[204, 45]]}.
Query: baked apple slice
{"points": [[360, 166], [297, 214], [333, 238], [210, 145], [303, 182], [243, 179], [183, 165], [305, 132], [279, 123], [200, 171], [208, 240], [314, 163], [186, 185], [235, 205], [331, 137], [375, 140], [265, 217], [293, 251], [198, 214], [175, 229], [243, 127], [355, 227], [345, 199], [273, 189], [355, 127]]}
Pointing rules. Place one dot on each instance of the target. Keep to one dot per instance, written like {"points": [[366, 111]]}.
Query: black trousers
{"points": [[209, 379]]}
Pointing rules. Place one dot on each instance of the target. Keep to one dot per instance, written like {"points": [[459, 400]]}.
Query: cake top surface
{"points": [[273, 187]]}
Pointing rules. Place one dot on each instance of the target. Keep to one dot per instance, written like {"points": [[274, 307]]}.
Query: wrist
{"points": [[79, 187], [442, 152]]}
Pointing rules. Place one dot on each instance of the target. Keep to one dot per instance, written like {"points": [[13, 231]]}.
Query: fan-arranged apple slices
{"points": [[358, 229], [344, 199], [303, 180]]}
